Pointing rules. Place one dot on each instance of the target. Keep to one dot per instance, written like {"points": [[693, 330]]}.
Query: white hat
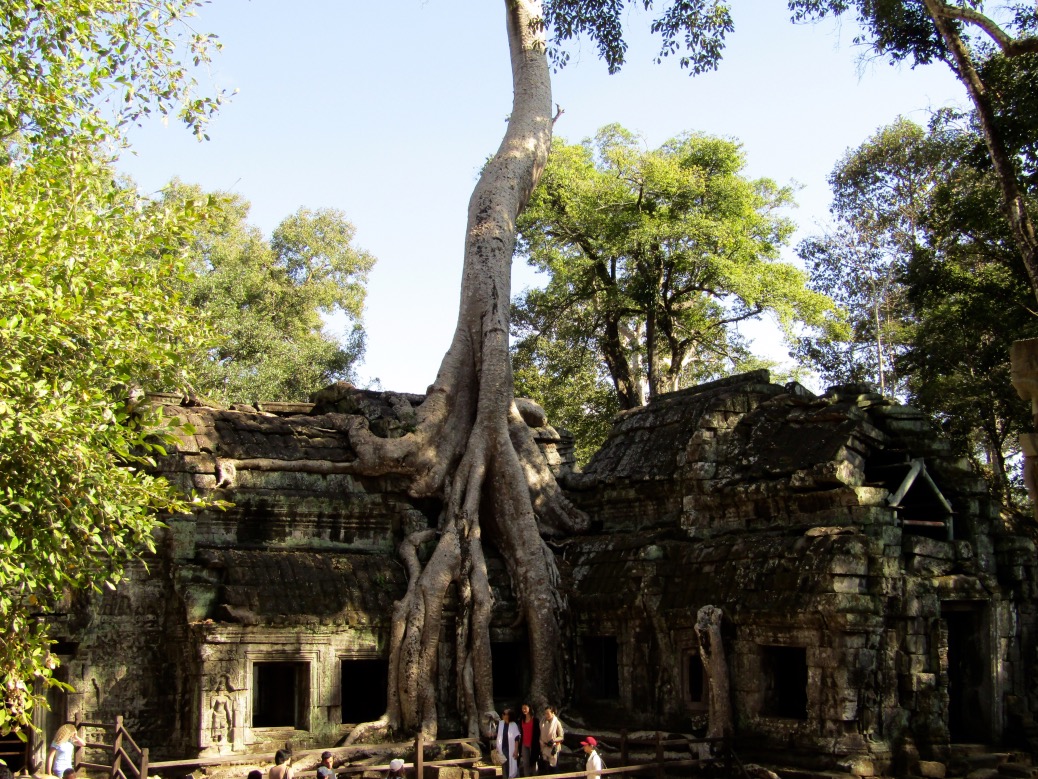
{"points": [[396, 764]]}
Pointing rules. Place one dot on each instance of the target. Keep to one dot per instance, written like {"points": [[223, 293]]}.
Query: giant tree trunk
{"points": [[472, 449]]}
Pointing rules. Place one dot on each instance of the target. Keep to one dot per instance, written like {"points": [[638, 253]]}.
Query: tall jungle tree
{"points": [[659, 253], [265, 300], [881, 194], [922, 31], [470, 446]]}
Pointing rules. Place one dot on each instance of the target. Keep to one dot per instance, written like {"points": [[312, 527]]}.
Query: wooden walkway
{"points": [[128, 760]]}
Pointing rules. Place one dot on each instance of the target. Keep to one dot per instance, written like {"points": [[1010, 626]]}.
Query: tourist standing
{"points": [[62, 749], [396, 769], [529, 733], [508, 744], [594, 762], [551, 738]]}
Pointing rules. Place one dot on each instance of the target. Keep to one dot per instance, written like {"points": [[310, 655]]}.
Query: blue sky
{"points": [[387, 110]]}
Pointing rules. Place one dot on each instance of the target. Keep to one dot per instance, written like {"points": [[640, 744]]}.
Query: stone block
{"points": [[928, 547], [859, 766], [931, 769], [928, 567], [849, 565], [855, 584]]}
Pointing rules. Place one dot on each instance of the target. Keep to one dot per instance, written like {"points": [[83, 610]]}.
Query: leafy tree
{"points": [[89, 67], [881, 192], [87, 306], [653, 258], [265, 300], [970, 299], [470, 447], [87, 313], [566, 376], [922, 31], [923, 254]]}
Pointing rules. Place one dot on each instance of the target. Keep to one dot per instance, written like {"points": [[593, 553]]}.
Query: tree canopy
{"points": [[965, 36], [88, 308], [881, 195], [266, 301], [922, 261], [653, 258]]}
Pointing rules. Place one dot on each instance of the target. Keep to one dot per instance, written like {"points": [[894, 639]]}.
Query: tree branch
{"points": [[1009, 45]]}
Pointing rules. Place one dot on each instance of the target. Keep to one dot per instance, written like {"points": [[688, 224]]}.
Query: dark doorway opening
{"points": [[363, 696], [280, 694], [784, 679], [969, 675], [695, 679], [601, 668], [511, 668]]}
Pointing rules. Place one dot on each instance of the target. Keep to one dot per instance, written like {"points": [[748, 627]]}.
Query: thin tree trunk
{"points": [[1012, 198]]}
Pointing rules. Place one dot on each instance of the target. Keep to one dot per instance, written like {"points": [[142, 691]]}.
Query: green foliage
{"points": [[88, 308], [692, 30], [87, 312], [88, 67], [970, 299], [264, 300], [652, 259], [565, 376], [923, 263], [881, 193]]}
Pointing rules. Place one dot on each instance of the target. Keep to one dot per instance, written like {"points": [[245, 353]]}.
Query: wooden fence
{"points": [[130, 761]]}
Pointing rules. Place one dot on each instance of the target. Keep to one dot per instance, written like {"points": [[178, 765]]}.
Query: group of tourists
{"points": [[527, 746]]}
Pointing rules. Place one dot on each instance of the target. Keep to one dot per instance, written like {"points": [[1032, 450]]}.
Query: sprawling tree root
{"points": [[471, 448]]}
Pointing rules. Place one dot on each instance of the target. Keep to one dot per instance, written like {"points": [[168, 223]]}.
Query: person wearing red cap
{"points": [[594, 762]]}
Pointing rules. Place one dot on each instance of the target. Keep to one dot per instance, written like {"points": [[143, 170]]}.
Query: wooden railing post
{"points": [[117, 746], [77, 755], [659, 755], [144, 763], [419, 756]]}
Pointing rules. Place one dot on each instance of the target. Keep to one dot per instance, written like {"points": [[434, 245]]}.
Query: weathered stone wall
{"points": [[809, 522], [852, 635]]}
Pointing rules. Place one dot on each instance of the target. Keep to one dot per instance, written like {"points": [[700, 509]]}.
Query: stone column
{"points": [[1023, 355]]}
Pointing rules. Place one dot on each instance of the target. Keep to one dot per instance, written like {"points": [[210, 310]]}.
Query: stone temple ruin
{"points": [[876, 608]]}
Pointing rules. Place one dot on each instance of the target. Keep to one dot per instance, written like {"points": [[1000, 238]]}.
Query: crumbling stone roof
{"points": [[291, 588]]}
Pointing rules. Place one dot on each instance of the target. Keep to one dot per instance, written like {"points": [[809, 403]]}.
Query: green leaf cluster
{"points": [[90, 315], [90, 67], [88, 272], [652, 258], [692, 31], [266, 301]]}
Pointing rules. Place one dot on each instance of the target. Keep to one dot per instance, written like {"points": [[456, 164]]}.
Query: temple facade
{"points": [[877, 607]]}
